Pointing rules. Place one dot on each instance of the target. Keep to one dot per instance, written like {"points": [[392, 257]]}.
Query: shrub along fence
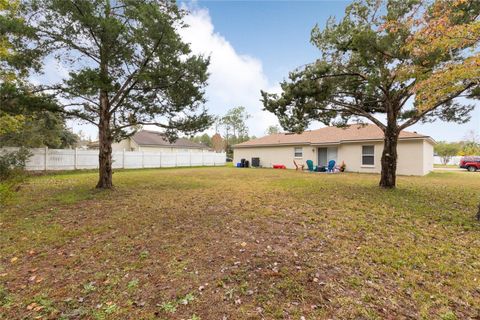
{"points": [[73, 159]]}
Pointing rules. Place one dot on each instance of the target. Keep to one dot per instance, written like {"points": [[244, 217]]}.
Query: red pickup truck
{"points": [[472, 164]]}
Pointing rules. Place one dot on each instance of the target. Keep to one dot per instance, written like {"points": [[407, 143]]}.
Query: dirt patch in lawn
{"points": [[225, 243]]}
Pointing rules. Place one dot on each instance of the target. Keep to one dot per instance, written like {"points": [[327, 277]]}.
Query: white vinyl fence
{"points": [[73, 159], [453, 160]]}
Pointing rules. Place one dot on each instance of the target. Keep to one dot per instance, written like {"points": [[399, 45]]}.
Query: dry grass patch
{"points": [[203, 243]]}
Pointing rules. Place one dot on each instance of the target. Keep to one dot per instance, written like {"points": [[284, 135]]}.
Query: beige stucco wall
{"points": [[274, 155], [427, 156], [122, 145], [410, 157], [415, 157]]}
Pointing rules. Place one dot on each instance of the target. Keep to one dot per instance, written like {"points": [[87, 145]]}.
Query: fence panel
{"points": [[70, 159], [169, 160], [183, 160], [151, 159], [86, 159], [196, 159], [37, 160], [452, 161], [59, 159], [220, 159], [117, 159], [133, 160], [209, 159]]}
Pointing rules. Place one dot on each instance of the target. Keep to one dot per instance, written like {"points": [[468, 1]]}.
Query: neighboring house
{"points": [[86, 145], [359, 146], [155, 141]]}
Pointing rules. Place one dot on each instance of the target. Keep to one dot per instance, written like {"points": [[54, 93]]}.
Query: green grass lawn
{"points": [[203, 243]]}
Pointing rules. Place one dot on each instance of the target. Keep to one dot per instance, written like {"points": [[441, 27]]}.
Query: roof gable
{"points": [[333, 135]]}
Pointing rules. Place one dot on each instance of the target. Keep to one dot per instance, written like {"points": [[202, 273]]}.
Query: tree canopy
{"points": [[40, 129], [451, 29], [234, 124], [204, 139], [127, 67], [273, 130], [366, 72], [447, 150]]}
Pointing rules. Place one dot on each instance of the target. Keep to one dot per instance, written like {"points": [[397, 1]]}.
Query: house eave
{"points": [[332, 142]]}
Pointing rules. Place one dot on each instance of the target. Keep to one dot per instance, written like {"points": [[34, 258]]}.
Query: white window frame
{"points": [[368, 155], [295, 152]]}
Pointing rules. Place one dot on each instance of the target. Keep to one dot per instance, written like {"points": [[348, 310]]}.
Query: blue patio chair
{"points": [[310, 166], [331, 165]]}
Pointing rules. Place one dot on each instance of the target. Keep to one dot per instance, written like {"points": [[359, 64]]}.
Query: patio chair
{"points": [[331, 165], [310, 166], [298, 167]]}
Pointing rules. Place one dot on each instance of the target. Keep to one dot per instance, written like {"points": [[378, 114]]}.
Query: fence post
{"points": [[75, 159], [46, 158], [143, 159], [190, 158], [160, 160], [123, 159], [176, 159]]}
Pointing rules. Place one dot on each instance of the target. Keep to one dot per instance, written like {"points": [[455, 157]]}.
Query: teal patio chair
{"points": [[331, 165], [310, 166]]}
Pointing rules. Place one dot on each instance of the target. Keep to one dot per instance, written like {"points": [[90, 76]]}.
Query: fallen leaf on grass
{"points": [[31, 306]]}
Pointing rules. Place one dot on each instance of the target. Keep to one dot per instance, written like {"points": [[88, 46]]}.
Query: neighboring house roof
{"points": [[328, 135], [158, 139]]}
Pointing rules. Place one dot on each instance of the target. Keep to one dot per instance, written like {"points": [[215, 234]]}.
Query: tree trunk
{"points": [[105, 137], [105, 145], [389, 159]]}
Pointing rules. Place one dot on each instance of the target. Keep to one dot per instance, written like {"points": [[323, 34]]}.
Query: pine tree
{"points": [[127, 67], [365, 72]]}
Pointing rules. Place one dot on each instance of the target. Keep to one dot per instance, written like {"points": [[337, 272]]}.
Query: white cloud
{"points": [[235, 79]]}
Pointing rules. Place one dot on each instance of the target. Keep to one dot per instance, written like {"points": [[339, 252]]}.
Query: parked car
{"points": [[472, 164]]}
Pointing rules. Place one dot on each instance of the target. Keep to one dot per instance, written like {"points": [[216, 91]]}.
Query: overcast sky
{"points": [[253, 45]]}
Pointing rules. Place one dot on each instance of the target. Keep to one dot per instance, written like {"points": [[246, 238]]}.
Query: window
{"points": [[298, 152], [368, 155]]}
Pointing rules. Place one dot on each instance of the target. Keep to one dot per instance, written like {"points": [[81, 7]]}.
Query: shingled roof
{"points": [[158, 139], [327, 135]]}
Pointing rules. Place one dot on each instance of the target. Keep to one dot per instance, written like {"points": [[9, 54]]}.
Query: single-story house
{"points": [[154, 141], [359, 146]]}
